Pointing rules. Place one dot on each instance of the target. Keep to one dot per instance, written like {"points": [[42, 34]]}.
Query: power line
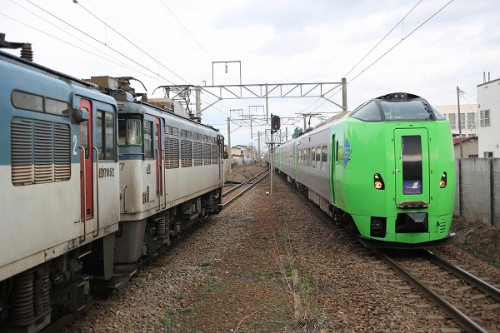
{"points": [[128, 40], [402, 39], [383, 38], [389, 50], [186, 29], [100, 42], [114, 61]]}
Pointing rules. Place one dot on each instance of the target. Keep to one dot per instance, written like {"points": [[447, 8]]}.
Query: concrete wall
{"points": [[478, 189]]}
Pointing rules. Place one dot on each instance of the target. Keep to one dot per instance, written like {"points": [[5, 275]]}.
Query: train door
{"points": [[159, 156], [296, 162], [86, 163], [411, 165], [220, 156], [333, 154]]}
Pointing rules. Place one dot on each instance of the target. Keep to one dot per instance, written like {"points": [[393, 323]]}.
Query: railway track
{"points": [[471, 302], [232, 194]]}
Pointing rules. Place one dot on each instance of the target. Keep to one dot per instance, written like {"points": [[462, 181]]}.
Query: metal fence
{"points": [[478, 189]]}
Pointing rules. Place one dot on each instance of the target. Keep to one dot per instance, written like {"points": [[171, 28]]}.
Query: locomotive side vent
{"points": [[40, 152]]}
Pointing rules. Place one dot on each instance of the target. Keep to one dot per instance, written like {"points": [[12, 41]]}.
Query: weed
{"points": [[212, 285], [206, 263], [166, 320], [188, 309]]}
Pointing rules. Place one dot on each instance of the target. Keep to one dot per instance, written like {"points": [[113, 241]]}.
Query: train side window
{"points": [[23, 100], [148, 139], [105, 135], [84, 135], [324, 156], [318, 158], [56, 107]]}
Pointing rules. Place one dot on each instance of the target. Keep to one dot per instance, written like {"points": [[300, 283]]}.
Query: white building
{"points": [[488, 131], [468, 118]]}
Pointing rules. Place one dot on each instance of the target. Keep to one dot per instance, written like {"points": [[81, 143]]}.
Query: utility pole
{"points": [[459, 122], [258, 146], [229, 156]]}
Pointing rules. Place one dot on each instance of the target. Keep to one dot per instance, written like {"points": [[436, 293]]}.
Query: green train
{"points": [[386, 170]]}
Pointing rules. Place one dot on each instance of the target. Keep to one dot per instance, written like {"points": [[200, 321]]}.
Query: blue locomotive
{"points": [[92, 183]]}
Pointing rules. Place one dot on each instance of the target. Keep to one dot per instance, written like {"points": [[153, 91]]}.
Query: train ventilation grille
{"points": [[40, 152]]}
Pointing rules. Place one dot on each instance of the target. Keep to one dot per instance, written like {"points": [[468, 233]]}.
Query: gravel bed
{"points": [[266, 263]]}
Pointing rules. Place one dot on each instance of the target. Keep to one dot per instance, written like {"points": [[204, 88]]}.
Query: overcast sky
{"points": [[426, 47]]}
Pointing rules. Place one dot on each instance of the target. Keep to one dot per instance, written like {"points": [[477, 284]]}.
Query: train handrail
{"points": [[124, 198], [164, 173], [82, 148], [157, 190], [97, 191]]}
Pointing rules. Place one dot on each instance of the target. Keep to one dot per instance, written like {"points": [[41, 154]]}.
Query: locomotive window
{"points": [[412, 164], [168, 129], [148, 139], [368, 112], [313, 157], [129, 131], [27, 101], [175, 131], [184, 133], [105, 135], [56, 107], [410, 110]]}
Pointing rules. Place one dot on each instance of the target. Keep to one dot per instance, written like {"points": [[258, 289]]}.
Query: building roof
{"points": [[456, 140]]}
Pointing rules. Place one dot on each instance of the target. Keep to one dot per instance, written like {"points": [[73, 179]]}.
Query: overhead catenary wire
{"points": [[101, 43], [100, 56], [129, 41], [186, 29], [385, 53]]}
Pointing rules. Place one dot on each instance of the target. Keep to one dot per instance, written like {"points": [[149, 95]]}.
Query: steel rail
{"points": [[460, 318], [464, 275], [248, 188], [243, 183]]}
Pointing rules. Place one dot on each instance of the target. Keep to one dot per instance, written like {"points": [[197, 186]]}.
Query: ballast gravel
{"points": [[268, 263]]}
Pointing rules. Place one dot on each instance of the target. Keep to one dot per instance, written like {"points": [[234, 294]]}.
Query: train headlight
{"points": [[378, 182], [443, 181]]}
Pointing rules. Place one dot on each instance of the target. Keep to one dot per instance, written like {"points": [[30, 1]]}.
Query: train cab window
{"points": [[410, 110], [23, 100], [56, 107], [412, 164], [129, 131], [148, 139], [105, 135], [368, 112]]}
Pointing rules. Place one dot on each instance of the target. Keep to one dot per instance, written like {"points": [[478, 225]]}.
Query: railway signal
{"points": [[275, 123]]}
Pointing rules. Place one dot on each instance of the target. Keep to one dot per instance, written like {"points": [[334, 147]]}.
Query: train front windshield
{"points": [[380, 110], [130, 131]]}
